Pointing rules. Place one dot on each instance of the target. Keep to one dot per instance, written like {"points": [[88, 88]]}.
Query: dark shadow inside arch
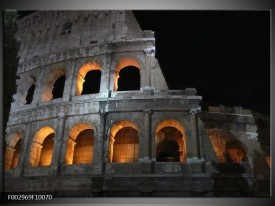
{"points": [[92, 82], [168, 148], [30, 93], [168, 151], [59, 87], [129, 79], [235, 152]]}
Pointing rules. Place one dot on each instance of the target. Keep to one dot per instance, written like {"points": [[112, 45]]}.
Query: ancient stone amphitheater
{"points": [[79, 127]]}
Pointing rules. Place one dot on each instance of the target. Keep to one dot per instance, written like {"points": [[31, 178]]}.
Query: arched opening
{"points": [[124, 143], [12, 150], [128, 79], [83, 150], [80, 144], [46, 152], [25, 89], [235, 152], [169, 145], [16, 154], [54, 85], [92, 82], [170, 142], [30, 93], [88, 79], [218, 143], [58, 87], [42, 147]]}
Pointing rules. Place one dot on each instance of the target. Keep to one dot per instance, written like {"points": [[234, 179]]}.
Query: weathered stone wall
{"points": [[231, 124]]}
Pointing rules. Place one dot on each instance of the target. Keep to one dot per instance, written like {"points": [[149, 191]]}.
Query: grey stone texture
{"points": [[72, 43]]}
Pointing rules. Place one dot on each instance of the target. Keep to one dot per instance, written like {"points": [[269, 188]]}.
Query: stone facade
{"points": [[151, 141]]}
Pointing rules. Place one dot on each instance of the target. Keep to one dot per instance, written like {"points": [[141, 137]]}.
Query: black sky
{"points": [[225, 55]]}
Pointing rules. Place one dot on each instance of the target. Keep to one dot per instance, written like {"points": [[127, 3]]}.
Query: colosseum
{"points": [[79, 127]]}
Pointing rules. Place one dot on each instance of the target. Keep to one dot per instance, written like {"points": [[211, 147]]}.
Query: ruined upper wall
{"points": [[43, 32]]}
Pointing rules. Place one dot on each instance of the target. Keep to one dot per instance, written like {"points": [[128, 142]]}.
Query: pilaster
{"points": [[145, 144], [98, 157], [194, 134], [69, 82], [59, 136]]}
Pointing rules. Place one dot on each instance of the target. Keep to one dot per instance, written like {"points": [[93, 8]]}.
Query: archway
{"points": [[132, 76], [12, 150], [90, 83], [80, 144], [16, 154], [42, 147], [170, 142], [46, 151], [235, 152], [30, 93], [25, 90], [128, 79], [54, 85], [58, 87], [124, 142], [83, 150]]}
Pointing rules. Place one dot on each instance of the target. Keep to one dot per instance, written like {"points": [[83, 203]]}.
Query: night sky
{"points": [[225, 55]]}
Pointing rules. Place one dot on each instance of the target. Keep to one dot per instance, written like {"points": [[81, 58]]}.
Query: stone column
{"points": [[194, 134], [147, 70], [75, 76], [23, 151], [111, 148], [79, 81], [9, 151], [98, 145], [64, 156], [35, 154], [145, 145], [58, 141], [106, 141], [104, 81], [149, 54], [113, 80], [27, 140], [201, 135], [69, 83], [69, 151], [183, 157], [195, 162], [106, 75], [39, 85]]}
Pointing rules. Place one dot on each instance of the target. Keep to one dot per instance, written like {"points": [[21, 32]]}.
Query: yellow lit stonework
{"points": [[80, 144], [82, 73], [124, 142], [124, 63], [48, 88], [12, 150], [38, 155]]}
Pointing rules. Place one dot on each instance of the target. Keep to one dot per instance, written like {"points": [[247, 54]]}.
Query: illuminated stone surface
{"points": [[146, 142]]}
